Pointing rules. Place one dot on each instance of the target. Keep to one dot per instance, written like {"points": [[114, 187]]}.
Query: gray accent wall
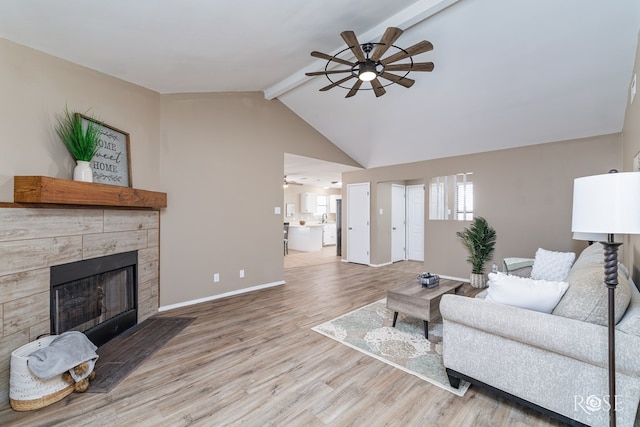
{"points": [[525, 194], [219, 157]]}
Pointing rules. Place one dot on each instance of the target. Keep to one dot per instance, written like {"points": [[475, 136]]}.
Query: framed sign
{"points": [[291, 209], [112, 162]]}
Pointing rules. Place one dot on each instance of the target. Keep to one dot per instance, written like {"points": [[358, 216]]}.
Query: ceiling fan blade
{"points": [[416, 66], [334, 84], [389, 37], [354, 89], [420, 47], [402, 81], [352, 41], [322, 73], [377, 87], [321, 55]]}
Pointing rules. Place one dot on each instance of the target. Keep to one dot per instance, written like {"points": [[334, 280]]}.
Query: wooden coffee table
{"points": [[416, 301]]}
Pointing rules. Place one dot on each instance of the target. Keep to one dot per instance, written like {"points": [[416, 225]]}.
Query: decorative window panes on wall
{"points": [[451, 197]]}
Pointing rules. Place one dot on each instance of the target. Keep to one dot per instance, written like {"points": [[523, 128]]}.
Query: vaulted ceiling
{"points": [[507, 73]]}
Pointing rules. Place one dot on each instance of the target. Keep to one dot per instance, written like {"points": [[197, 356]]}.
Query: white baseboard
{"points": [[215, 297], [380, 265], [389, 263], [370, 265], [460, 279]]}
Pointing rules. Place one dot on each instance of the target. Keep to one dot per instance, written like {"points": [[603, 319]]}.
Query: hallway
{"points": [[303, 259]]}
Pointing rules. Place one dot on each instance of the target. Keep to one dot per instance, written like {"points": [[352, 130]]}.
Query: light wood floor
{"points": [[304, 259], [253, 360]]}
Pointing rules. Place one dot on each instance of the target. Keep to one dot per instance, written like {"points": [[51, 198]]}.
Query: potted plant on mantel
{"points": [[480, 241], [81, 141]]}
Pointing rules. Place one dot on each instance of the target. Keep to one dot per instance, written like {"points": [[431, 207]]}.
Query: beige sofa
{"points": [[558, 362]]}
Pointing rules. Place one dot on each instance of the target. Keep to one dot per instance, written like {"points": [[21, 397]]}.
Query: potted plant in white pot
{"points": [[81, 141], [480, 241]]}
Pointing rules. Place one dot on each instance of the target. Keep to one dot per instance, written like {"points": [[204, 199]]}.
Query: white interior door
{"points": [[358, 211], [398, 225], [415, 222]]}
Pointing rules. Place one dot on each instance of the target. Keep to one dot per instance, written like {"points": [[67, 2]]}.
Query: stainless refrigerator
{"points": [[339, 227]]}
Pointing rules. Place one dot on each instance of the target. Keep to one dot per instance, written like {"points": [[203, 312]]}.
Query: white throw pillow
{"points": [[538, 295], [550, 265]]}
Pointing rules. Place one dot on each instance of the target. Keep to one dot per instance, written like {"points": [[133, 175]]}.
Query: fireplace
{"points": [[97, 296]]}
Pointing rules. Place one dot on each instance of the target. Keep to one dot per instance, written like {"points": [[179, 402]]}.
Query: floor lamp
{"points": [[603, 206]]}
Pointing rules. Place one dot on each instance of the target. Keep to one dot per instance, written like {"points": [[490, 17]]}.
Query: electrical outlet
{"points": [[216, 278], [241, 274]]}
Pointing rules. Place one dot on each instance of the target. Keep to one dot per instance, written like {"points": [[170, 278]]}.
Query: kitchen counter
{"points": [[307, 238]]}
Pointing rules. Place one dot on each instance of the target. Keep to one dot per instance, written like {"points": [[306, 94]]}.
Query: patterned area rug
{"points": [[368, 329]]}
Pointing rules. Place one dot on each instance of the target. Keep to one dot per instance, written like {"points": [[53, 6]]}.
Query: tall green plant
{"points": [[480, 241], [81, 143]]}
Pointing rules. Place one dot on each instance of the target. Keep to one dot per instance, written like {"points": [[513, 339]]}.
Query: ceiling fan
{"points": [[287, 182], [370, 65]]}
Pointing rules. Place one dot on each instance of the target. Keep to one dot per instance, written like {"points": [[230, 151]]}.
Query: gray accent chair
{"points": [[558, 362], [518, 266]]}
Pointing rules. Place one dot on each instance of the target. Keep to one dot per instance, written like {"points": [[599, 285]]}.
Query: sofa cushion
{"points": [[587, 296], [630, 324], [537, 295], [592, 254], [551, 265]]}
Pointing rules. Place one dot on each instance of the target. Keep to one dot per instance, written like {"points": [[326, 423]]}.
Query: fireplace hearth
{"points": [[97, 296]]}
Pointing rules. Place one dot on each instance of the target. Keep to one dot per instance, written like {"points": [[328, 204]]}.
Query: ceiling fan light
{"points": [[367, 76], [367, 71]]}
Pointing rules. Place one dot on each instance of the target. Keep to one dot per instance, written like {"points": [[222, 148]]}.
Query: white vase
{"points": [[82, 172], [478, 280]]}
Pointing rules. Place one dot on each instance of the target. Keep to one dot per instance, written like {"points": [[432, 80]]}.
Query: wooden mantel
{"points": [[43, 190]]}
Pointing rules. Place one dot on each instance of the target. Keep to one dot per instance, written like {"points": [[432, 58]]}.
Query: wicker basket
{"points": [[28, 392]]}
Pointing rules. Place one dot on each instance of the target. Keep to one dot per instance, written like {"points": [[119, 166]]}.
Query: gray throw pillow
{"points": [[587, 296]]}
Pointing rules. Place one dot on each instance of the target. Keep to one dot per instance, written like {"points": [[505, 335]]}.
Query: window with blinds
{"points": [[464, 201], [451, 197]]}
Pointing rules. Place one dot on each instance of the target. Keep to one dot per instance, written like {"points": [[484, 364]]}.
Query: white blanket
{"points": [[65, 352]]}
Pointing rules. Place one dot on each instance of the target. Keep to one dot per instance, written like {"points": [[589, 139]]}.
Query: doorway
{"points": [[398, 223], [358, 223], [415, 222], [311, 190]]}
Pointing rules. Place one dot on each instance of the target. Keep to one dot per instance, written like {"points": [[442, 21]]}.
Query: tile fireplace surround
{"points": [[32, 240]]}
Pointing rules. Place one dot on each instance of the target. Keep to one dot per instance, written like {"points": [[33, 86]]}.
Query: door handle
{"points": [[394, 228], [350, 228]]}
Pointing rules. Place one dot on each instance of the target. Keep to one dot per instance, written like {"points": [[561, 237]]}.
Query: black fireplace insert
{"points": [[97, 296]]}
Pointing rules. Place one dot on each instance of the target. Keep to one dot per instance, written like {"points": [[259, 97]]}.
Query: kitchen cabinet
{"points": [[329, 234], [308, 202]]}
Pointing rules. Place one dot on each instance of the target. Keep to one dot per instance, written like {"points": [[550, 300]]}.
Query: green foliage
{"points": [[82, 144], [480, 241]]}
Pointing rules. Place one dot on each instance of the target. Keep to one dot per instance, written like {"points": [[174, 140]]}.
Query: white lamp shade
{"points": [[592, 237], [607, 204]]}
